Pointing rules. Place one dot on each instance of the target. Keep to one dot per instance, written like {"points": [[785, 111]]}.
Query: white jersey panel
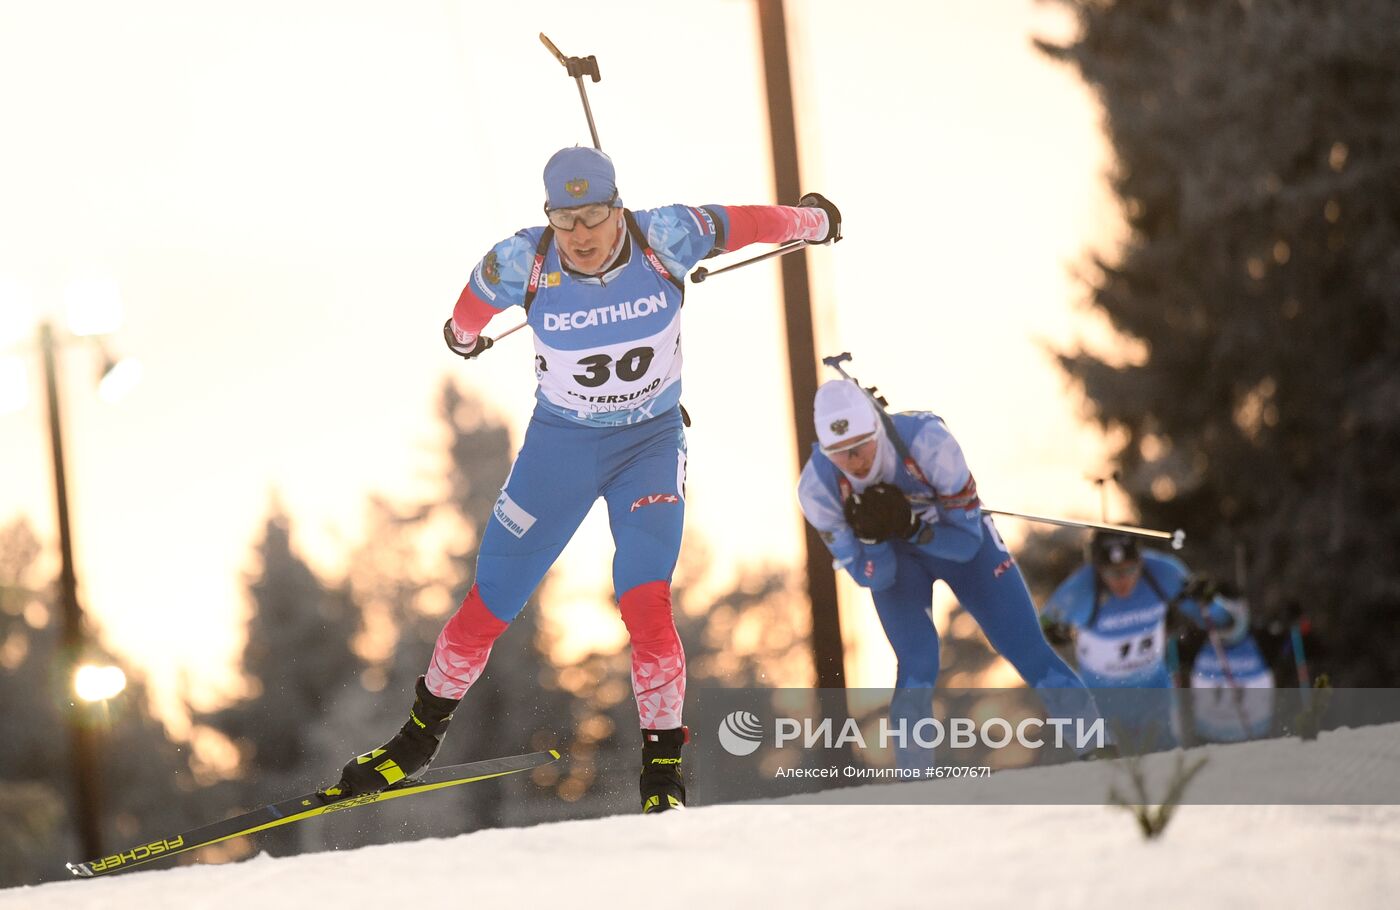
{"points": [[605, 378], [1121, 656]]}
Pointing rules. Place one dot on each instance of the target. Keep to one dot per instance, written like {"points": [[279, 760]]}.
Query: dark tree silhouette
{"points": [[296, 660], [1258, 164]]}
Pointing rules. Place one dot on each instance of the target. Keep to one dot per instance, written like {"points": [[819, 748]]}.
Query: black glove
{"points": [[468, 351], [1179, 626], [1057, 633], [833, 216], [880, 513], [1200, 588]]}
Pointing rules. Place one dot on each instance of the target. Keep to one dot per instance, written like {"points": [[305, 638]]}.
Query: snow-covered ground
{"points": [[786, 854]]}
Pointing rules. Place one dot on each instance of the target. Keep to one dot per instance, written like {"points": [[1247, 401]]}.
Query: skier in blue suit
{"points": [[1117, 610], [1232, 699], [602, 287], [896, 504]]}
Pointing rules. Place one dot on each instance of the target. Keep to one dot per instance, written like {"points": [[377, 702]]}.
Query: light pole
{"points": [[81, 735], [93, 311]]}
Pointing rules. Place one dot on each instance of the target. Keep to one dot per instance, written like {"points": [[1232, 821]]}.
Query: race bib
{"points": [[604, 378], [1121, 656], [1223, 715]]}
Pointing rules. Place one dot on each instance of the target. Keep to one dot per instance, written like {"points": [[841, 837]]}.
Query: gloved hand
{"points": [[468, 351], [880, 513], [1057, 633], [1200, 588], [1238, 627], [833, 216]]}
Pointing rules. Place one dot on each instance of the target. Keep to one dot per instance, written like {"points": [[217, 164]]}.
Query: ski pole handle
{"points": [[578, 67], [835, 363]]}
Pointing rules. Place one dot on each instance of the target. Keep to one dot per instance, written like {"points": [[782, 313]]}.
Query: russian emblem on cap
{"points": [[839, 426], [576, 188]]}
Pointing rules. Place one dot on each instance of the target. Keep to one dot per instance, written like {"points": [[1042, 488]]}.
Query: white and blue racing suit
{"points": [[964, 550], [607, 424]]}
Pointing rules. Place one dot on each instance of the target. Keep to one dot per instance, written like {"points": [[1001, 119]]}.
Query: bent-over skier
{"points": [[896, 504]]}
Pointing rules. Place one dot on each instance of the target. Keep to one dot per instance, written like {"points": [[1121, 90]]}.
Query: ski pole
{"points": [[702, 273], [1102, 484], [578, 67], [1300, 663], [1237, 692], [1300, 659], [1177, 537], [511, 330]]}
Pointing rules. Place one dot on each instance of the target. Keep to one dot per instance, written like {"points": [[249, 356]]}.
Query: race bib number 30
{"points": [[613, 377]]}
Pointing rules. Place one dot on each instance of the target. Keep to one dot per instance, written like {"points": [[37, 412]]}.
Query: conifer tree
{"points": [[297, 658], [1258, 165]]}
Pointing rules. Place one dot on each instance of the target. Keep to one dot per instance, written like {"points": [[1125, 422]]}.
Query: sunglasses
{"points": [[591, 215], [848, 449]]}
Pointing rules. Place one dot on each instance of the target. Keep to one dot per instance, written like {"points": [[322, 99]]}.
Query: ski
{"points": [[303, 807]]}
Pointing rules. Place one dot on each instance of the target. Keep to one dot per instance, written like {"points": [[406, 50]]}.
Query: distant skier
{"points": [[1116, 609], [602, 288], [894, 501], [1232, 699]]}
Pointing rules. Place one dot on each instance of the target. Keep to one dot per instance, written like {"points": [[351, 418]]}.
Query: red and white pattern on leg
{"points": [[658, 661], [462, 648]]}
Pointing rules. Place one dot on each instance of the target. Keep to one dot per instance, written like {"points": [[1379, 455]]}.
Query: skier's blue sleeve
{"points": [[871, 565], [497, 281], [956, 512], [1073, 600], [682, 235], [1172, 574], [502, 274]]}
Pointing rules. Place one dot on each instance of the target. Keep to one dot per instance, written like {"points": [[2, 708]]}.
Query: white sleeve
{"points": [[941, 459]]}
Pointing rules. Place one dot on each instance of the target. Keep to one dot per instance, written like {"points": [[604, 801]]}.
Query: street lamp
{"points": [[93, 310], [98, 682]]}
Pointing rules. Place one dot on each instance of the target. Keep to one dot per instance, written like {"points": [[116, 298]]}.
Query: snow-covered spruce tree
{"points": [[295, 661], [1258, 165]]}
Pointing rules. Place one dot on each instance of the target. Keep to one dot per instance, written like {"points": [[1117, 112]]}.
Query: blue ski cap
{"points": [[579, 176]]}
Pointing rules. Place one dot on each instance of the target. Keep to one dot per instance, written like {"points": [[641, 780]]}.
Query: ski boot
{"points": [[408, 753], [662, 784]]}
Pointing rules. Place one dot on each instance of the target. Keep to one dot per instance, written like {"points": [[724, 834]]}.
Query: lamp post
{"points": [[82, 736], [94, 310]]}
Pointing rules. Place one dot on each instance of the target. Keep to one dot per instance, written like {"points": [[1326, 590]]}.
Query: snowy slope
{"points": [[785, 854]]}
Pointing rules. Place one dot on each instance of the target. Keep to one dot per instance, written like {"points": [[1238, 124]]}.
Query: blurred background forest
{"points": [[1257, 163]]}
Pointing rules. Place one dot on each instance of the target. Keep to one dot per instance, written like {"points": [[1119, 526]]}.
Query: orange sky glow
{"points": [[290, 195]]}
